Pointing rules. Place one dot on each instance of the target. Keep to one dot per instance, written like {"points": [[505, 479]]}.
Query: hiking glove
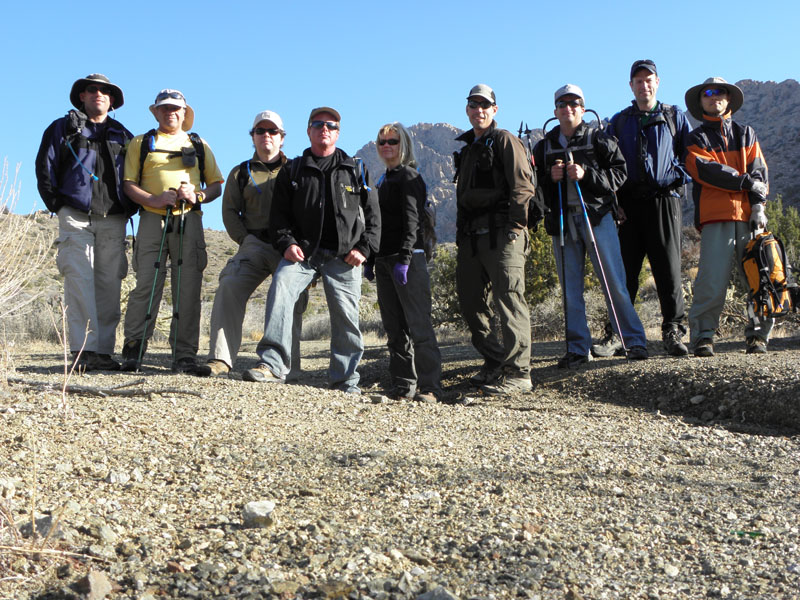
{"points": [[758, 218], [369, 271], [759, 188], [400, 273]]}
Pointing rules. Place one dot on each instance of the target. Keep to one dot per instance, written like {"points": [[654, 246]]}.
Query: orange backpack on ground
{"points": [[764, 264]]}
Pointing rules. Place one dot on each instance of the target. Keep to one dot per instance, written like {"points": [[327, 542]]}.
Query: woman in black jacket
{"points": [[401, 272]]}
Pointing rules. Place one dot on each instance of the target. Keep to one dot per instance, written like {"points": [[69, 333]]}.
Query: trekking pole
{"points": [[603, 279], [176, 315], [561, 249], [157, 265]]}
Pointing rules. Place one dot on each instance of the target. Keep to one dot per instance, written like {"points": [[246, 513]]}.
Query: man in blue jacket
{"points": [[79, 173], [652, 136]]}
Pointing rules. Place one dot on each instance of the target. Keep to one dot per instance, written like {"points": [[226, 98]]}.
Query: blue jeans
{"points": [[342, 284], [579, 338]]}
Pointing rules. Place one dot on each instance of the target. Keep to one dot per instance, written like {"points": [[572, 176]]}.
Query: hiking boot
{"points": [[704, 348], [218, 368], [756, 345], [572, 360], [130, 355], [189, 366], [610, 345], [261, 373], [508, 385], [426, 398], [486, 376], [400, 394], [81, 362], [638, 353], [104, 362], [672, 342]]}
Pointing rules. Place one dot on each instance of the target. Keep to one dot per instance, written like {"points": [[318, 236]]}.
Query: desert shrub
{"points": [[23, 250]]}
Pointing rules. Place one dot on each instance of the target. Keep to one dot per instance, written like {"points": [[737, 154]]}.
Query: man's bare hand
{"points": [[575, 171], [186, 192], [294, 253], [354, 258], [165, 199]]}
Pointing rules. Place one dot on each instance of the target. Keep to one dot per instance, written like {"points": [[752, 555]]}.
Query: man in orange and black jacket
{"points": [[730, 191]]}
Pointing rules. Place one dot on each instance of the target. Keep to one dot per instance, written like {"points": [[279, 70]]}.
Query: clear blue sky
{"points": [[376, 62]]}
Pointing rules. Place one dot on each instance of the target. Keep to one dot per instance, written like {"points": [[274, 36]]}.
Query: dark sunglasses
{"points": [[263, 130], [391, 142], [715, 92], [173, 95], [331, 125], [102, 89], [566, 103], [484, 104]]}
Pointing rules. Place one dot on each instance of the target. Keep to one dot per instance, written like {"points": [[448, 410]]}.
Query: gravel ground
{"points": [[669, 478]]}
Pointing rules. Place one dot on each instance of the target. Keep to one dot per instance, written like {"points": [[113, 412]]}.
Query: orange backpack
{"points": [[764, 264]]}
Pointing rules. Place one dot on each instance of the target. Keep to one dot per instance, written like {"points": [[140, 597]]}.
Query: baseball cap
{"points": [[570, 88], [483, 91], [645, 63], [322, 109], [268, 115]]}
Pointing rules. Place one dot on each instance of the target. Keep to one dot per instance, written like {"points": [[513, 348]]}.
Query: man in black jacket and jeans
{"points": [[325, 221]]}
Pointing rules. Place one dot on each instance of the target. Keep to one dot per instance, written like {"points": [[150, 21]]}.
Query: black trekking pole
{"points": [[157, 265], [176, 313], [559, 184], [603, 279]]}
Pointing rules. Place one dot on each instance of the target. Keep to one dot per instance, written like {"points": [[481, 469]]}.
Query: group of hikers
{"points": [[613, 193]]}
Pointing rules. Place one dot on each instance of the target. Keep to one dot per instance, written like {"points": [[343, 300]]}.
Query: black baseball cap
{"points": [[644, 64]]}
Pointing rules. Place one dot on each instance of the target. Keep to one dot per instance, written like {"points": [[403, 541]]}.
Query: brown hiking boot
{"points": [[218, 368]]}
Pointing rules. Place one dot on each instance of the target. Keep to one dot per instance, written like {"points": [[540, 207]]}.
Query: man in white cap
{"points": [[494, 187], [325, 221], [79, 172], [580, 168], [730, 190], [246, 205], [165, 171]]}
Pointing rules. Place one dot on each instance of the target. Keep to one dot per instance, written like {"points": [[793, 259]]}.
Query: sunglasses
{"points": [[331, 125], [566, 103], [484, 104], [98, 89], [173, 95], [391, 142], [715, 92], [269, 130]]}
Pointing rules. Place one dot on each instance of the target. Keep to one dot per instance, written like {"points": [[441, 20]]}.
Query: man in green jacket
{"points": [[245, 212], [494, 186]]}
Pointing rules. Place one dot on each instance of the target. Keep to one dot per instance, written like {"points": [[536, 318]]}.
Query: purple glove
{"points": [[369, 271], [400, 273]]}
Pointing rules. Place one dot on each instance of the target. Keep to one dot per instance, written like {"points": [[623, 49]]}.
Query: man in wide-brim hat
{"points": [[79, 170], [730, 191]]}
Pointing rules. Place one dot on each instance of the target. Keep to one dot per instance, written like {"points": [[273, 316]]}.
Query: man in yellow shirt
{"points": [[168, 185]]}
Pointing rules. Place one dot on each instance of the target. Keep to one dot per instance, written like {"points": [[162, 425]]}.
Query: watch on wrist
{"points": [[199, 196], [512, 236]]}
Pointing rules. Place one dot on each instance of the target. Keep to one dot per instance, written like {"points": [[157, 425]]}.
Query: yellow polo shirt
{"points": [[162, 171]]}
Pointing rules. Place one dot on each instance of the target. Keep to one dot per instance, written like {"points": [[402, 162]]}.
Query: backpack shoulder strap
{"points": [[200, 152], [148, 145], [243, 175], [672, 118]]}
